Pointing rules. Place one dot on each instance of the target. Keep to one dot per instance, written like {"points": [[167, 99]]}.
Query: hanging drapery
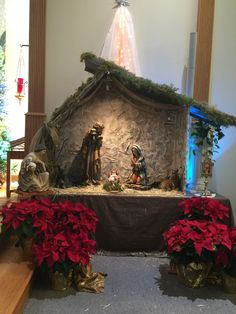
{"points": [[120, 46]]}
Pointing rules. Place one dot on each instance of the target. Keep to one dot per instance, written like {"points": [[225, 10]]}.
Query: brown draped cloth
{"points": [[134, 223]]}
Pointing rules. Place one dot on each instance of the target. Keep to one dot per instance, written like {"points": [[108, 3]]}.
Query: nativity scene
{"points": [[125, 134], [121, 137], [111, 170], [108, 124]]}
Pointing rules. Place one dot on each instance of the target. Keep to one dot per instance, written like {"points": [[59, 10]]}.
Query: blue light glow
{"points": [[190, 173]]}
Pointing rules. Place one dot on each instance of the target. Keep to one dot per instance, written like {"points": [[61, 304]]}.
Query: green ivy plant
{"points": [[207, 137]]}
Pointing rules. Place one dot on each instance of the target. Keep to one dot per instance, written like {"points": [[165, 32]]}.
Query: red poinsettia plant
{"points": [[204, 208], [62, 231], [201, 234], [17, 219], [231, 258], [189, 240]]}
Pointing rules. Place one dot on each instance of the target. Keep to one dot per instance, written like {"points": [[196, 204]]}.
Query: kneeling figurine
{"points": [[33, 176], [139, 171]]}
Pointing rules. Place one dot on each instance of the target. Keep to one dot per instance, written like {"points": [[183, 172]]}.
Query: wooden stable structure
{"points": [[37, 43]]}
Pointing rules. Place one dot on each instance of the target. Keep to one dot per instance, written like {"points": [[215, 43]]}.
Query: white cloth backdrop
{"points": [[120, 45]]}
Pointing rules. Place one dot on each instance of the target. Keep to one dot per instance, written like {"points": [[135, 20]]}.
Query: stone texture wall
{"points": [[160, 131]]}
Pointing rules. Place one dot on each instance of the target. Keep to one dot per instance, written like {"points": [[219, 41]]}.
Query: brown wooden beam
{"points": [[205, 22], [37, 32]]}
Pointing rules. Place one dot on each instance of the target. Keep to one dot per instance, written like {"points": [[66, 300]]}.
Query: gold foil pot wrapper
{"points": [[194, 274], [60, 282], [88, 281], [214, 279], [228, 283]]}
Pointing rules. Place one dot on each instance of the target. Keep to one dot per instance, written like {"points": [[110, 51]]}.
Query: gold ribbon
{"points": [[88, 281]]}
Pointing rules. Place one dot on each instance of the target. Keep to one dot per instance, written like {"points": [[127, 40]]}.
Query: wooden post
{"points": [[36, 111], [205, 23]]}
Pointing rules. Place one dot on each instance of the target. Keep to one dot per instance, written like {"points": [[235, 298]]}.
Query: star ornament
{"points": [[121, 2]]}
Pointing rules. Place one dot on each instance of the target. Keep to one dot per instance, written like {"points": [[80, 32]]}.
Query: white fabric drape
{"points": [[120, 46]]}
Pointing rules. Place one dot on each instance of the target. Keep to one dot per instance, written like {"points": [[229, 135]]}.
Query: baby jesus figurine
{"points": [[114, 177], [113, 182]]}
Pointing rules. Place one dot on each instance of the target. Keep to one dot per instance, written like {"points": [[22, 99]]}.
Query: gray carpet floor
{"points": [[134, 285]]}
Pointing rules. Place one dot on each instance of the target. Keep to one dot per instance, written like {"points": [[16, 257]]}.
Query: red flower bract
{"points": [[204, 208], [233, 236], [61, 230], [201, 234]]}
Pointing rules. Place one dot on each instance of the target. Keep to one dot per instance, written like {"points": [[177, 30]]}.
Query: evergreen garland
{"points": [[166, 94], [162, 93]]}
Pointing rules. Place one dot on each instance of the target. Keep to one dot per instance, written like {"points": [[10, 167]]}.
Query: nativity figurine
{"points": [[174, 181], [113, 183], [139, 171], [113, 177], [33, 176], [91, 159]]}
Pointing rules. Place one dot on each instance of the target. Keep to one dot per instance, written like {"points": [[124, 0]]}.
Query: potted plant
{"points": [[199, 240], [17, 221], [62, 234], [60, 253], [65, 242], [194, 246], [207, 135], [229, 274]]}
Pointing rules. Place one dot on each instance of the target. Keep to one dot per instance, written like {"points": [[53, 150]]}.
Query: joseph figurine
{"points": [[91, 145]]}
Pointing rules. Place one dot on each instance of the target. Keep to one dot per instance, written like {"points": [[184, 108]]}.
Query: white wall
{"points": [[162, 30], [17, 33], [223, 95]]}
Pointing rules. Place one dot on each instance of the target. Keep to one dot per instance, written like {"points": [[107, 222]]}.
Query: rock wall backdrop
{"points": [[160, 130]]}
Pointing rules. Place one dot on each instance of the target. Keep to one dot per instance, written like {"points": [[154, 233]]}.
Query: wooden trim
{"points": [[15, 276], [205, 22], [17, 142], [37, 43], [19, 308], [34, 114], [37, 33], [11, 155], [33, 122]]}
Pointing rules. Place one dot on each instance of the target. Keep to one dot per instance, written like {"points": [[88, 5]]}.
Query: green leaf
{"points": [[27, 229]]}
